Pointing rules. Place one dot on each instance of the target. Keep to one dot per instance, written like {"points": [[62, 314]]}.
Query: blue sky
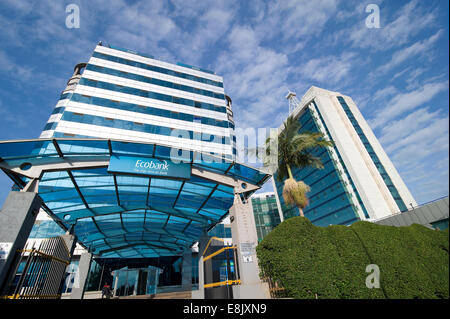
{"points": [[397, 74]]}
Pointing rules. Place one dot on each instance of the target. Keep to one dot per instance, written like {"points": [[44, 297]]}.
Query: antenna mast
{"points": [[293, 101]]}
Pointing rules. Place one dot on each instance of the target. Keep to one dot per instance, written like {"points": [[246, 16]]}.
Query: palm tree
{"points": [[289, 150]]}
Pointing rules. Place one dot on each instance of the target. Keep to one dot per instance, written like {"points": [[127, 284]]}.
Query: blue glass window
{"points": [[156, 69], [149, 80], [387, 180]]}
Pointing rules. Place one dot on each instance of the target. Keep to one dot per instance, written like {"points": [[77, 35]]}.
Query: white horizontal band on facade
{"points": [[61, 103], [103, 111], [47, 134], [166, 65], [155, 75], [115, 133], [54, 118], [145, 101], [98, 76]]}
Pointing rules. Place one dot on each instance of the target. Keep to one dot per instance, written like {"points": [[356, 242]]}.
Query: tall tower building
{"points": [[130, 96], [122, 94], [358, 182]]}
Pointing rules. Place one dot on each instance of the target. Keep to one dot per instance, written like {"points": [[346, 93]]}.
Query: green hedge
{"points": [[330, 262]]}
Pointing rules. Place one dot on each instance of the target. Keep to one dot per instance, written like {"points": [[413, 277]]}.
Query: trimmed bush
{"points": [[331, 262]]}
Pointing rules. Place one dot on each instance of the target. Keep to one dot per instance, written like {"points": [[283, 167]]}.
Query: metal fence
{"points": [[40, 270]]}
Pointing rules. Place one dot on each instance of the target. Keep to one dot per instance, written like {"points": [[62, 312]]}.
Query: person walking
{"points": [[106, 291]]}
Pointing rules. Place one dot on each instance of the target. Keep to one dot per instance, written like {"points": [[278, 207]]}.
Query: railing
{"points": [[224, 276], [44, 268], [277, 291]]}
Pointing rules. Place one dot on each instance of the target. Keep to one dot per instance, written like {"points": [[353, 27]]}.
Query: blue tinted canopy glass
{"points": [[128, 214]]}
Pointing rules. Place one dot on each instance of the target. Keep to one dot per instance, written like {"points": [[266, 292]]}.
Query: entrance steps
{"points": [[164, 295], [173, 295]]}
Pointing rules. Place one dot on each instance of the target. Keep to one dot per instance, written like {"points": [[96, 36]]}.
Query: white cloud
{"points": [[404, 102], [296, 18], [422, 141], [408, 21], [396, 131], [14, 69], [254, 76], [329, 69], [419, 147], [384, 93], [417, 49]]}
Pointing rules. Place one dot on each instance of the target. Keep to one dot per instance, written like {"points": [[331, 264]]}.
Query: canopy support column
{"points": [[200, 293], [17, 218], [244, 236], [186, 270], [83, 273]]}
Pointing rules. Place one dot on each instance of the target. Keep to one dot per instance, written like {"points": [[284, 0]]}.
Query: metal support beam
{"points": [[145, 243], [178, 195], [206, 200], [117, 189], [78, 189], [86, 162], [58, 149]]}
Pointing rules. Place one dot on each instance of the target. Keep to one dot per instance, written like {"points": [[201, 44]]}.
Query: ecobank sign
{"points": [[149, 167]]}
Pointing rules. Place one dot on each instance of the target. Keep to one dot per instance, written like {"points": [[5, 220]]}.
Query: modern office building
{"points": [[132, 97], [266, 213], [121, 94], [358, 182]]}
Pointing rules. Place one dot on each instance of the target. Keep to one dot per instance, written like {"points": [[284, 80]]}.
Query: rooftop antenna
{"points": [[293, 101]]}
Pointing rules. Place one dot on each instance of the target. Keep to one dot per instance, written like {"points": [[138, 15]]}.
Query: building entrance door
{"points": [[132, 282]]}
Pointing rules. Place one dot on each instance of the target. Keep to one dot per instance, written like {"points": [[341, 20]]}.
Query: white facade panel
{"points": [[121, 134], [162, 64], [139, 100], [143, 118], [151, 87], [155, 75]]}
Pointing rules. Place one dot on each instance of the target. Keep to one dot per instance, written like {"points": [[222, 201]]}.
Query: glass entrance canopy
{"points": [[126, 199]]}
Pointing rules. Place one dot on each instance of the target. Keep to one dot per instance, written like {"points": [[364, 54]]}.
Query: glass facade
{"points": [[145, 79], [46, 229], [157, 69], [221, 231], [329, 201], [151, 95], [266, 214], [141, 109], [111, 82], [70, 275], [139, 127], [142, 281], [440, 224], [387, 180]]}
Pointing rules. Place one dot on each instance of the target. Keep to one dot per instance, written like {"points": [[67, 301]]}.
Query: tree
{"points": [[289, 150]]}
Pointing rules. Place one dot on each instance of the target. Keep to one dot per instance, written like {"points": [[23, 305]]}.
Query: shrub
{"points": [[330, 262]]}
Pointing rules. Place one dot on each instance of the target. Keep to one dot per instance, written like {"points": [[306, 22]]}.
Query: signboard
{"points": [[247, 250], [148, 166], [247, 259], [4, 250]]}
